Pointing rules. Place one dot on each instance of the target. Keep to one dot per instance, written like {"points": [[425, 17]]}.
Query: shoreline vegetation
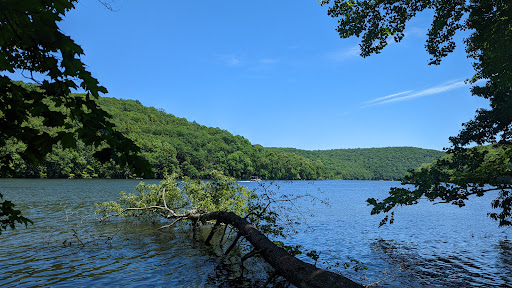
{"points": [[188, 149]]}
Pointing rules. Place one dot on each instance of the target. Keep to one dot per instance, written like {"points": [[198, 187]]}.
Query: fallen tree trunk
{"points": [[224, 193], [299, 273]]}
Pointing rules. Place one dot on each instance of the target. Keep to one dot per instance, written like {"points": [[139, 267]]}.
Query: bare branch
{"points": [[163, 198], [249, 255], [109, 238], [156, 207], [172, 224], [108, 4], [78, 238], [235, 241]]}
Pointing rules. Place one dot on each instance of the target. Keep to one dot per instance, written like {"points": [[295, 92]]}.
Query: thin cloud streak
{"points": [[344, 54], [389, 96], [411, 94], [268, 61], [229, 59]]}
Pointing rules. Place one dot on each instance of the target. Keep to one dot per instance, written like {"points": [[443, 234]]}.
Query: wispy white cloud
{"points": [[229, 59], [408, 95], [418, 32], [233, 60], [237, 60], [269, 61], [344, 54], [387, 97]]}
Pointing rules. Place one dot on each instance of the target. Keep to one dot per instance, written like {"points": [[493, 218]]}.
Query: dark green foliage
{"points": [[468, 170], [9, 216], [369, 163], [32, 44], [379, 22]]}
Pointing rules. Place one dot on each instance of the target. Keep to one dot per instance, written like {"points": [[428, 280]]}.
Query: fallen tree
{"points": [[222, 201], [298, 272]]}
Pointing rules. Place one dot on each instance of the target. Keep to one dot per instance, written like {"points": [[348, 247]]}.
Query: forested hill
{"points": [[368, 163], [175, 145], [172, 145]]}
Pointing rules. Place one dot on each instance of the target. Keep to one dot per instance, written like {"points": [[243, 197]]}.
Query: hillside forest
{"points": [[175, 145]]}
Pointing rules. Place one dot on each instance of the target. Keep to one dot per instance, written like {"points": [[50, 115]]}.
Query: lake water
{"points": [[428, 246]]}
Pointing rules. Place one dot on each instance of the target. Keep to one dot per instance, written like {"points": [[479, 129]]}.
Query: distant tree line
{"points": [[388, 163], [175, 145]]}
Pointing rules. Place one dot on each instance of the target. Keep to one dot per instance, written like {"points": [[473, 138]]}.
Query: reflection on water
{"points": [[428, 246]]}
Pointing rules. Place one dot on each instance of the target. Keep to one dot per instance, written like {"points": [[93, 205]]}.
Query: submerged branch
{"points": [[77, 238], [298, 272], [212, 232], [230, 248], [249, 255]]}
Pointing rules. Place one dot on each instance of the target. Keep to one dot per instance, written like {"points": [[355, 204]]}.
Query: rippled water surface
{"points": [[428, 246]]}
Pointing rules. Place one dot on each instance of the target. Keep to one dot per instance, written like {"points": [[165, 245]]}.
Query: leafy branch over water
{"points": [[250, 216]]}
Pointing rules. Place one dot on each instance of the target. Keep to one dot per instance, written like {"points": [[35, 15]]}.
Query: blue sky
{"points": [[275, 72]]}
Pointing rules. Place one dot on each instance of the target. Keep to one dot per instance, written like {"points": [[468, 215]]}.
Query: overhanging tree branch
{"points": [[488, 45]]}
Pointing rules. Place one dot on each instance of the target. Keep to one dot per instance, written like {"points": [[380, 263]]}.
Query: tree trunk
{"points": [[299, 273]]}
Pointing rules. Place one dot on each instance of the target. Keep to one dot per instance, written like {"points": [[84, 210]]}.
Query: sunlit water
{"points": [[428, 246]]}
